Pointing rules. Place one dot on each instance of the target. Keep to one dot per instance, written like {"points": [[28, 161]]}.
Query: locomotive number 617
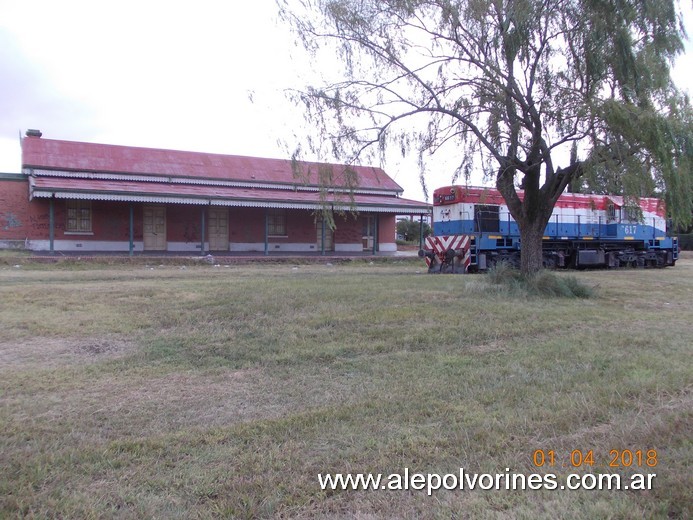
{"points": [[473, 230]]}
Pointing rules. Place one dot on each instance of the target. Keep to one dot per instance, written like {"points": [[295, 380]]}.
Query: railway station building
{"points": [[86, 197]]}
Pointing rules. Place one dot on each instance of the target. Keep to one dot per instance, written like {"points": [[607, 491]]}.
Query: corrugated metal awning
{"points": [[234, 196]]}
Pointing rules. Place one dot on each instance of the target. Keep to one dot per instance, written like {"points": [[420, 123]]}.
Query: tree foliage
{"points": [[512, 87], [411, 229]]}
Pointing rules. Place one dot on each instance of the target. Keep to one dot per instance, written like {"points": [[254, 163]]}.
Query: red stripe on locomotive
{"points": [[473, 195]]}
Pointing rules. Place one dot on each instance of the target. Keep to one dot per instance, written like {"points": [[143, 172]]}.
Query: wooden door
{"points": [[329, 237], [368, 233], [218, 229], [154, 235]]}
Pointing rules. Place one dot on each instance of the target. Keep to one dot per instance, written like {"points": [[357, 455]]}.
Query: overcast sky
{"points": [[205, 76]]}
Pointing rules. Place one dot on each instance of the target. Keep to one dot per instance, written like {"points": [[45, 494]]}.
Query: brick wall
{"points": [[387, 228], [183, 223], [19, 218]]}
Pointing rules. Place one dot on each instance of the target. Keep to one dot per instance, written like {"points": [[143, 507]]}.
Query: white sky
{"points": [[167, 74]]}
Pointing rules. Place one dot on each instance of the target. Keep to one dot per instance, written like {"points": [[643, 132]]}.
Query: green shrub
{"points": [[686, 242], [543, 283], [503, 273]]}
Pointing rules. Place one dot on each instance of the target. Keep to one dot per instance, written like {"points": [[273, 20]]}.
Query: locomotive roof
{"points": [[491, 196]]}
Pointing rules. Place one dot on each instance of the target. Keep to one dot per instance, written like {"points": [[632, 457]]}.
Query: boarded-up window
{"points": [[276, 222], [78, 216]]}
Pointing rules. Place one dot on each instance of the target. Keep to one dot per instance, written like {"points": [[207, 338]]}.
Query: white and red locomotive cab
{"points": [[473, 230]]}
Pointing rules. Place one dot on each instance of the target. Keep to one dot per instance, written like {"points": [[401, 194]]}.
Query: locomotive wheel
{"points": [[550, 262]]}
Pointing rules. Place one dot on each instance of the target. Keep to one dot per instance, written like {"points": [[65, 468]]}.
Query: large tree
{"points": [[534, 92]]}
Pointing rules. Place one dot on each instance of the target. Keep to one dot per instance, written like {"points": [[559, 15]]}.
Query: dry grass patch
{"points": [[222, 392]]}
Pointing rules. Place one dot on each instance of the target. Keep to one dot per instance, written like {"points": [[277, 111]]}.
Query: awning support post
{"points": [[375, 233], [202, 233], [132, 229], [51, 224], [266, 231], [420, 231]]}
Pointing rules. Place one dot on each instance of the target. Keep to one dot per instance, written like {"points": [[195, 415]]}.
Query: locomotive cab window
{"points": [[487, 218], [611, 211], [632, 213]]}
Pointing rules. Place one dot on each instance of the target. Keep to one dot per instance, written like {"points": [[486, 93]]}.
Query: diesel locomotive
{"points": [[473, 230]]}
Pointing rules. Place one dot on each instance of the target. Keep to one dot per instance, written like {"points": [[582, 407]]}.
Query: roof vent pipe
{"points": [[33, 133]]}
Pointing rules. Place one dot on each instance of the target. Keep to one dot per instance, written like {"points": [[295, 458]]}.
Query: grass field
{"points": [[198, 392]]}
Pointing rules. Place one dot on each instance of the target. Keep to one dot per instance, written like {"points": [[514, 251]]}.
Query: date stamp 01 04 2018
{"points": [[586, 459]]}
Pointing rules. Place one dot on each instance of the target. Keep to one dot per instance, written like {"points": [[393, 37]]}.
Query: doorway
{"points": [[218, 229], [368, 232], [154, 233], [329, 236]]}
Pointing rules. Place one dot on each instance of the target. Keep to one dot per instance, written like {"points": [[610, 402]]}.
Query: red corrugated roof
{"points": [[51, 154], [130, 190]]}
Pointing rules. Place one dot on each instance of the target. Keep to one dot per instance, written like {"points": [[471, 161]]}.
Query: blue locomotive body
{"points": [[583, 231]]}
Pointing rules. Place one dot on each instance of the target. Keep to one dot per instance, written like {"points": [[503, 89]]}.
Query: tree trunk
{"points": [[531, 236], [531, 213]]}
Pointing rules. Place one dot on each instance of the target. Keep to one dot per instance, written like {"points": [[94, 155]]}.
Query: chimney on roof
{"points": [[33, 133]]}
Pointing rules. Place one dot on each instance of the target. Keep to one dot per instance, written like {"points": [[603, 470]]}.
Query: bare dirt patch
{"points": [[46, 353]]}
